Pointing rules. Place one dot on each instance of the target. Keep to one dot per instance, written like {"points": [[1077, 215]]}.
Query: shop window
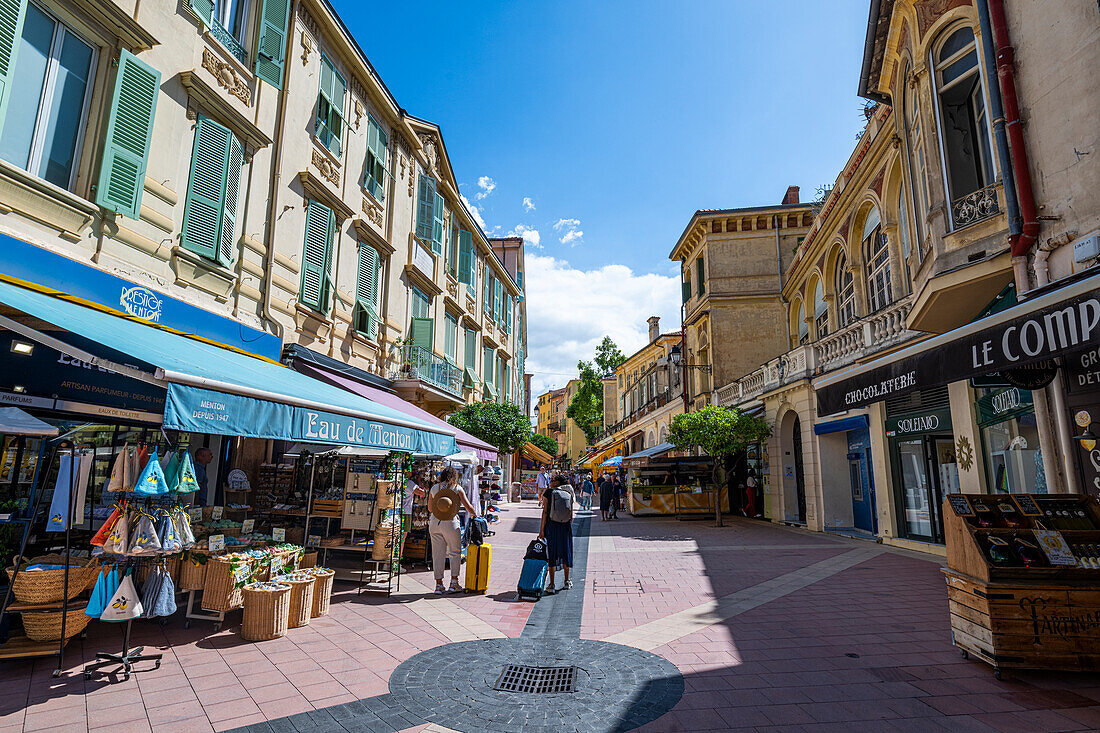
{"points": [[876, 253], [213, 188], [329, 127], [429, 214], [914, 140], [821, 312], [845, 293], [49, 76], [1010, 439], [964, 123], [316, 283], [366, 291], [377, 146]]}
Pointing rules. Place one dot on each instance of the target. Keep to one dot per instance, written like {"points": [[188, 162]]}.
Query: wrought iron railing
{"points": [[420, 363], [231, 44], [975, 207]]}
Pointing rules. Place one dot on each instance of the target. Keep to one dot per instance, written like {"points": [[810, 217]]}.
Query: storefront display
{"points": [[1010, 439], [924, 464]]}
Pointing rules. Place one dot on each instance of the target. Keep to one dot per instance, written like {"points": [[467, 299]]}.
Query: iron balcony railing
{"points": [[974, 207], [226, 39], [420, 363], [654, 403]]}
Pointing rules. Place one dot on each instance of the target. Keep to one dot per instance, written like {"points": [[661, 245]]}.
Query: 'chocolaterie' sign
{"points": [[1035, 335]]}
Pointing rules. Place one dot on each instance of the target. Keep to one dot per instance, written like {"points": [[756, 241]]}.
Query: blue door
{"points": [[859, 472]]}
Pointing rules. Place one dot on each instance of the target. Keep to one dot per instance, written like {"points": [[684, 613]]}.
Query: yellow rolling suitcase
{"points": [[477, 567]]}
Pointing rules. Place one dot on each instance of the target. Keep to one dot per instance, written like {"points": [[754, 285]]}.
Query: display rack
{"points": [[1022, 579]]}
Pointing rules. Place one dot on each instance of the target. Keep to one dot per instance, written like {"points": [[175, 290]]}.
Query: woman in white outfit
{"points": [[443, 501]]}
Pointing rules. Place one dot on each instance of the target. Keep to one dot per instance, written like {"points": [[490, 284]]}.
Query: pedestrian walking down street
{"points": [[614, 513], [542, 482], [557, 528], [443, 502], [620, 494], [587, 490], [607, 491]]}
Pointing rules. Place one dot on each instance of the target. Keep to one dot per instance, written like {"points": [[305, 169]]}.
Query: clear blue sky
{"points": [[624, 116]]}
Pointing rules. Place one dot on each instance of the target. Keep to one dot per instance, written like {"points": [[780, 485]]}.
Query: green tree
{"points": [[721, 433], [546, 443], [503, 426], [586, 407]]}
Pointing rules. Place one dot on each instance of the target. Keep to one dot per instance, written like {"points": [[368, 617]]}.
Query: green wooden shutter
{"points": [[232, 194], [422, 333], [206, 189], [12, 13], [315, 257], [366, 289], [487, 365], [685, 288], [438, 224], [271, 45], [519, 279], [471, 348], [465, 257], [204, 9], [377, 146], [699, 276], [507, 313], [498, 290], [425, 216], [487, 301], [129, 132]]}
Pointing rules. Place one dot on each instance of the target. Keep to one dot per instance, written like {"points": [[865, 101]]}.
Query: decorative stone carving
{"points": [[359, 112], [226, 76], [929, 10], [307, 19], [373, 211], [401, 160], [307, 46], [429, 150], [192, 114], [329, 170], [452, 288]]}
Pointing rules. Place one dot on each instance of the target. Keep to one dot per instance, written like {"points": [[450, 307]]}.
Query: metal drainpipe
{"points": [[276, 174], [779, 274]]}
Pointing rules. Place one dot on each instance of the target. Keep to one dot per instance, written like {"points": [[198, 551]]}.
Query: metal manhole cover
{"points": [[522, 678]]}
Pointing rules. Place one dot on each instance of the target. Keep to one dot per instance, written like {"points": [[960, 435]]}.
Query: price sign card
{"points": [[216, 513], [1055, 547], [241, 573], [278, 534], [314, 540], [195, 513], [276, 566], [216, 542], [247, 526]]}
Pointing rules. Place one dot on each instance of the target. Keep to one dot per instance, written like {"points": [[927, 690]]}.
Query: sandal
{"points": [[439, 589], [455, 588]]}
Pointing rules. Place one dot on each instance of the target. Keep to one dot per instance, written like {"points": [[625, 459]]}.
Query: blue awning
{"points": [[855, 422], [212, 389]]}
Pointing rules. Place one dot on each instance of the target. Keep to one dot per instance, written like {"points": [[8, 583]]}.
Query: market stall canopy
{"points": [[598, 458], [343, 451], [14, 421], [214, 389], [537, 454], [465, 441], [463, 456], [641, 456], [611, 462], [1063, 319]]}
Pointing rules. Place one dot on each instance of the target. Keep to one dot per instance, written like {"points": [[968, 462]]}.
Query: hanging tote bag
{"points": [[121, 478], [172, 471], [98, 601], [151, 481], [166, 531], [118, 541], [183, 527], [104, 532], [124, 604], [163, 603], [144, 540], [186, 482], [151, 590]]}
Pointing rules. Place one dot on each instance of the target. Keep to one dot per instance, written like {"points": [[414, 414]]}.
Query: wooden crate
{"points": [[328, 508]]}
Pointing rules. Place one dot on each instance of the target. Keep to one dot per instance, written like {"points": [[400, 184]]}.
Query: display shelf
{"points": [[20, 647]]}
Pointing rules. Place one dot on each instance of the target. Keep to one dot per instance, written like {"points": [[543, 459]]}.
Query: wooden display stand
{"points": [[1022, 609]]}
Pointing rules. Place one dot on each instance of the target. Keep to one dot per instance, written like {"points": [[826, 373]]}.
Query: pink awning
{"points": [[465, 441]]}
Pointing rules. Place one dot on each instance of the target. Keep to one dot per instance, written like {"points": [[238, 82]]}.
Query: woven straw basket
{"points": [[47, 626], [192, 575], [301, 598], [266, 611], [219, 591], [322, 592], [387, 491], [309, 560], [48, 586]]}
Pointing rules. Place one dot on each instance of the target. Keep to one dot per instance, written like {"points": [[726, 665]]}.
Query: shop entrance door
{"points": [[859, 472], [928, 471], [799, 479]]}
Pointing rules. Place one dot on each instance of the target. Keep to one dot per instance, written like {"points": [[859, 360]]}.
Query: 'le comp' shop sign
{"points": [[1035, 336]]}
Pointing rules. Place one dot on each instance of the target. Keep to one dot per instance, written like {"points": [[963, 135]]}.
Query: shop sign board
{"points": [[1082, 371], [1012, 342], [918, 423], [1004, 404]]}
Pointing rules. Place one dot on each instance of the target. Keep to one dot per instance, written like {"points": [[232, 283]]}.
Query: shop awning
{"points": [[211, 389], [532, 451], [465, 441], [14, 421], [612, 462], [855, 422], [1060, 319], [657, 450], [598, 458]]}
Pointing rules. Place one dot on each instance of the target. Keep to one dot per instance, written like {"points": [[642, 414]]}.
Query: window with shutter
{"points": [[317, 256], [129, 133], [700, 276], [487, 299], [438, 224], [488, 361], [274, 21], [213, 188], [422, 333], [519, 279], [506, 389], [204, 9], [377, 148], [366, 291], [421, 306], [685, 287], [466, 258], [425, 208], [329, 127], [507, 320], [12, 14], [450, 339], [497, 290], [471, 348], [452, 249]]}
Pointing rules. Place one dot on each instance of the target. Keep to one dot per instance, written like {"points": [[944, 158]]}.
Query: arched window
{"points": [[964, 124], [918, 178], [845, 293], [876, 254], [803, 327], [903, 231], [821, 312]]}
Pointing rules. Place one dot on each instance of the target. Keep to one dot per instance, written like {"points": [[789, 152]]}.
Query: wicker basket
{"points": [[48, 586], [322, 591], [219, 591], [266, 611], [296, 535], [301, 598], [385, 537], [309, 560], [192, 575], [387, 491], [47, 626], [335, 540]]}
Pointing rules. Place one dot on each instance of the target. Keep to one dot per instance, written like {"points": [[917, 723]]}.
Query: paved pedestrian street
{"points": [[673, 626]]}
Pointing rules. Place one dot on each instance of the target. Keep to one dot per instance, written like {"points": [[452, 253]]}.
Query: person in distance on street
{"points": [[557, 528], [606, 490]]}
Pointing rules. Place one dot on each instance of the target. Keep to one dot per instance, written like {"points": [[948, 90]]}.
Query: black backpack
{"points": [[537, 551]]}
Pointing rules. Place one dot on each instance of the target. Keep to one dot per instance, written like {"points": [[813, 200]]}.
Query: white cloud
{"points": [[530, 235], [570, 231], [528, 204], [569, 311], [475, 212], [487, 185]]}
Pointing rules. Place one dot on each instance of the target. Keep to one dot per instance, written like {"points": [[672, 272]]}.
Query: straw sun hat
{"points": [[445, 504]]}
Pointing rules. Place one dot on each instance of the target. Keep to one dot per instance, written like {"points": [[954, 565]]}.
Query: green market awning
{"points": [[213, 389]]}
